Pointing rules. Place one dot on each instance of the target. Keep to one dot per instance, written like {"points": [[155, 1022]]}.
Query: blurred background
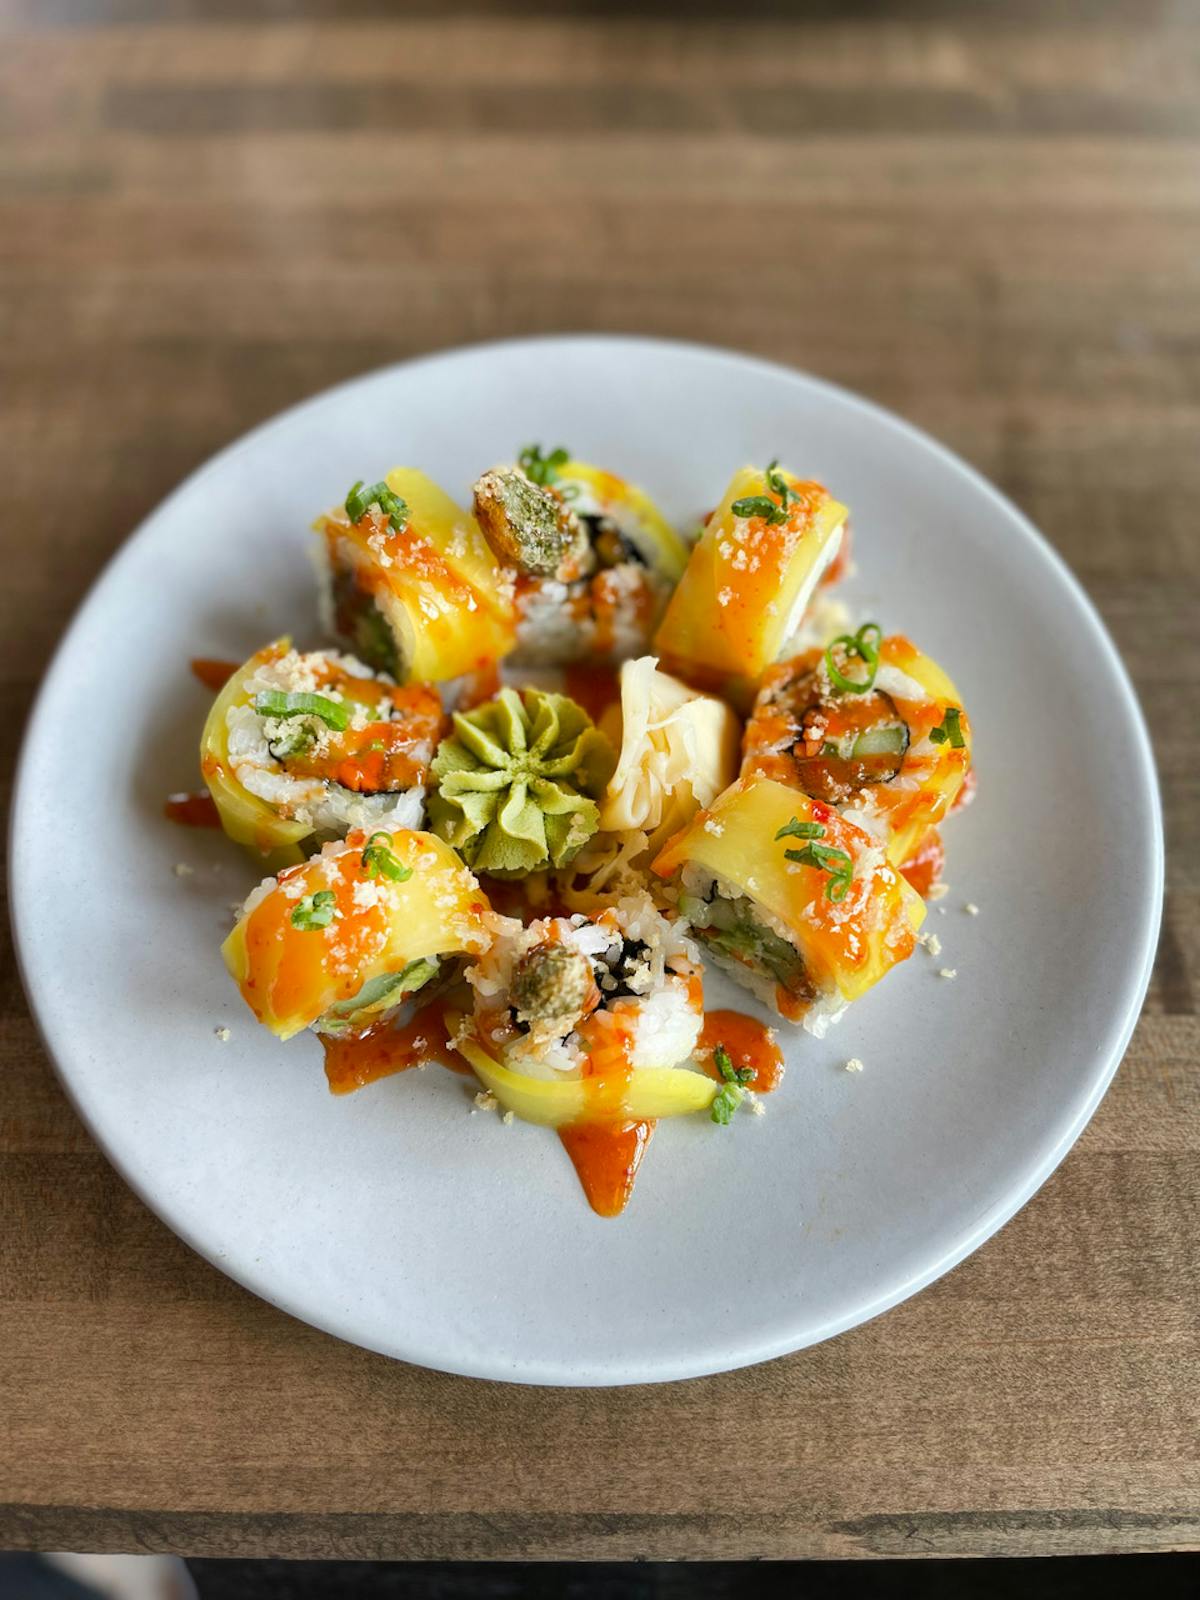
{"points": [[982, 213]]}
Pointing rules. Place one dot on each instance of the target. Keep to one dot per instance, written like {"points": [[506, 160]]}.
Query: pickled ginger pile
{"points": [[555, 756]]}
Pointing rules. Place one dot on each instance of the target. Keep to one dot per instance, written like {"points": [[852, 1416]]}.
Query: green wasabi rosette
{"points": [[518, 781]]}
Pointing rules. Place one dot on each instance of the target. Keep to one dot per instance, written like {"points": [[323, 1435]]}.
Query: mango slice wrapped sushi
{"points": [[587, 1019], [301, 747], [410, 583], [339, 943], [750, 579], [870, 725], [794, 901], [593, 558]]}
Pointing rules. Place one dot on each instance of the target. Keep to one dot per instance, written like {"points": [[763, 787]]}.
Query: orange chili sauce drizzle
{"points": [[593, 686], [351, 1063], [923, 868], [968, 791], [605, 1148], [192, 810], [749, 1044], [606, 1157], [213, 674]]}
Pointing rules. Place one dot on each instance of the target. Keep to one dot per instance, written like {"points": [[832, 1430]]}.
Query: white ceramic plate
{"points": [[394, 1217]]}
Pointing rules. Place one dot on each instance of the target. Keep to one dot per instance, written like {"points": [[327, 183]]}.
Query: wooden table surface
{"points": [[986, 215]]}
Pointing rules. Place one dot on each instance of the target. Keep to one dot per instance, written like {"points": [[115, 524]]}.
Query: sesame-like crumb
{"points": [[939, 891], [485, 1100], [931, 943], [224, 1034], [508, 1119], [971, 908], [948, 972], [757, 1107], [182, 870], [854, 1065]]}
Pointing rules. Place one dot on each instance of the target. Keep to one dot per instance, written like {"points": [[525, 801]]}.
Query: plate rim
{"points": [[751, 1352]]}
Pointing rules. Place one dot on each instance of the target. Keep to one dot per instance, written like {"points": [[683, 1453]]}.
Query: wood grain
{"points": [[986, 216]]}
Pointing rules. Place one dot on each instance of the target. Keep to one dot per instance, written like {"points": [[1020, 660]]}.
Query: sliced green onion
{"points": [[360, 500], [860, 645], [759, 505], [795, 829], [779, 485], [274, 703], [543, 469], [874, 641], [379, 860], [732, 1091], [314, 911], [725, 1066], [824, 857], [725, 1102], [950, 729]]}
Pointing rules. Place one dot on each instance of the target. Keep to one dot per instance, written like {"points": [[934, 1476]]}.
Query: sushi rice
{"points": [[328, 808], [628, 962]]}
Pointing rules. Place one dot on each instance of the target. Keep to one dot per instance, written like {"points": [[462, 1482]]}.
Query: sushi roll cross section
{"points": [[869, 725], [339, 943], [300, 747], [410, 583], [593, 559], [587, 1018], [790, 898]]}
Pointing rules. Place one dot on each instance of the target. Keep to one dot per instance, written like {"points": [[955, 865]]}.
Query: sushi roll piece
{"points": [[586, 1019], [339, 943], [750, 580], [869, 725], [410, 584], [593, 558], [791, 899], [301, 747]]}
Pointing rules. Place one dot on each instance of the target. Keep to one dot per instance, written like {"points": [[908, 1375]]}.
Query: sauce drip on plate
{"points": [[351, 1063], [750, 1043], [606, 1156], [192, 810], [923, 869]]}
